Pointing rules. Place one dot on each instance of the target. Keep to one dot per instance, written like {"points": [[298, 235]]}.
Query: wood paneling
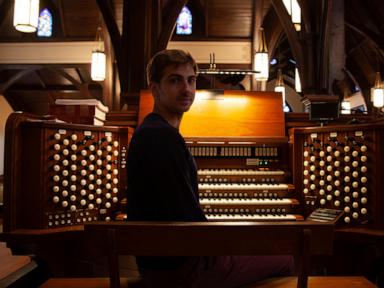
{"points": [[227, 18], [82, 18], [236, 113]]}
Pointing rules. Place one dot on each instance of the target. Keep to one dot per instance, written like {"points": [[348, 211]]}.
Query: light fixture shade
{"points": [[297, 81], [279, 87], [261, 59], [296, 14], [26, 15], [345, 107], [294, 10], [99, 62], [282, 90], [98, 65], [377, 92], [287, 4], [378, 97], [262, 65]]}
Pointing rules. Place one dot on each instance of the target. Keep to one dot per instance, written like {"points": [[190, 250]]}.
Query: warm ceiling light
{"points": [[279, 86], [378, 92], [345, 107], [294, 10], [98, 58], [26, 15], [296, 15], [261, 60]]}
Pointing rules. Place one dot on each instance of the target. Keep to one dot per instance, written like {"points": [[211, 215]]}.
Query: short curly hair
{"points": [[166, 58]]}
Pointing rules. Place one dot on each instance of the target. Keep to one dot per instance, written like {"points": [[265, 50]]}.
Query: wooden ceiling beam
{"points": [[14, 79], [113, 30], [326, 23], [40, 77], [290, 31], [64, 74], [48, 88], [369, 41], [60, 9], [83, 75], [41, 66], [168, 18]]}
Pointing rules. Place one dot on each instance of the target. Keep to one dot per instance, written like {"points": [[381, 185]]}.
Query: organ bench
{"points": [[302, 239]]}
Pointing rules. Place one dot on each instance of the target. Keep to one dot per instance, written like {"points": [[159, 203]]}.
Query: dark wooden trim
{"points": [[62, 18], [290, 31], [169, 16], [324, 47], [370, 41], [61, 72], [306, 26], [114, 272], [5, 7], [113, 30], [301, 239], [39, 76]]}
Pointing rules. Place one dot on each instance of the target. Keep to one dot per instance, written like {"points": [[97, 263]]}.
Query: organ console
{"points": [[59, 176], [338, 167], [239, 144], [248, 169], [62, 174]]}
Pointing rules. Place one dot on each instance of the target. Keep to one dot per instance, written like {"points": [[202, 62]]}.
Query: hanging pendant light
{"points": [[296, 14], [279, 86], [377, 95], [26, 15], [98, 57], [294, 10], [345, 107], [261, 60]]}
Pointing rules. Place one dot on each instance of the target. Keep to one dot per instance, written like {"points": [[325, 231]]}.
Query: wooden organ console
{"points": [[238, 141], [340, 167], [60, 174]]}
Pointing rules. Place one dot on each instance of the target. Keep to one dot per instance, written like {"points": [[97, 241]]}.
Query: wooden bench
{"points": [[301, 239]]}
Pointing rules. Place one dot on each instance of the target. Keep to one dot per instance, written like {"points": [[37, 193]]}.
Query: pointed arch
{"points": [[184, 22], [44, 28]]}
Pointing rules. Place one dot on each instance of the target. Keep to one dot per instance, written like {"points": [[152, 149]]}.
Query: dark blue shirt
{"points": [[162, 179]]}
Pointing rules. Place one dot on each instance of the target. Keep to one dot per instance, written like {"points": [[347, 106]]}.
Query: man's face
{"points": [[176, 91]]}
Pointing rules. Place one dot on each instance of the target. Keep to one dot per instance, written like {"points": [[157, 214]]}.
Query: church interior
{"points": [[286, 130]]}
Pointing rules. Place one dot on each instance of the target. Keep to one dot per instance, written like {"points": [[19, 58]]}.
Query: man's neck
{"points": [[172, 118]]}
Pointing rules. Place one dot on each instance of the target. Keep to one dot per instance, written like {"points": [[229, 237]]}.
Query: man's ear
{"points": [[154, 87]]}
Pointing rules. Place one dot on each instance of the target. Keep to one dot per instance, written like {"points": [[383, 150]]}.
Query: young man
{"points": [[162, 184]]}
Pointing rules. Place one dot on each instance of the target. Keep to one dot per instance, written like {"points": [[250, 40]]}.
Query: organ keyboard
{"points": [[245, 179]]}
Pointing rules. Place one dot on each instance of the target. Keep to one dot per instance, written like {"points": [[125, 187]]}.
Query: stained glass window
{"points": [[44, 28], [184, 22]]}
